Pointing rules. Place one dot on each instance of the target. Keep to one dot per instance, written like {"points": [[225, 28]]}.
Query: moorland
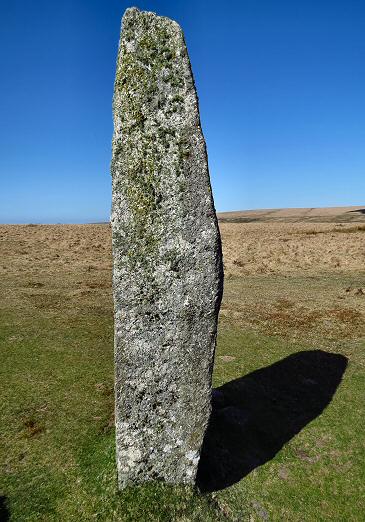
{"points": [[286, 438]]}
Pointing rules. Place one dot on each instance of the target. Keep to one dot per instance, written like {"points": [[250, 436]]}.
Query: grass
{"points": [[57, 435], [346, 230]]}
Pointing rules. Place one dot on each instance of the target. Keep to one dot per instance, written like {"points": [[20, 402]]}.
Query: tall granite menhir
{"points": [[167, 257]]}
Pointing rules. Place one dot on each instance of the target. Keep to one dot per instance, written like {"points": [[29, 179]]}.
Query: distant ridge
{"points": [[352, 214]]}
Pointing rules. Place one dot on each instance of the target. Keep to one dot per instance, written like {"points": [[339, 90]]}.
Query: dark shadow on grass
{"points": [[4, 511], [255, 415]]}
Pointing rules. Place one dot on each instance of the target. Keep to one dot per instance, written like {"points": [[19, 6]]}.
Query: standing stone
{"points": [[167, 257]]}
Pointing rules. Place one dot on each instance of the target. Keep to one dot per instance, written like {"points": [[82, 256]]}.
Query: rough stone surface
{"points": [[167, 256]]}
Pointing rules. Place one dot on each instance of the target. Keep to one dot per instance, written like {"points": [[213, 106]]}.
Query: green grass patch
{"points": [[57, 437]]}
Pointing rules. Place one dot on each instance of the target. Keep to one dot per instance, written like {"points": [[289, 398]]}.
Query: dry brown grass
{"points": [[300, 279], [263, 247], [282, 248], [55, 266]]}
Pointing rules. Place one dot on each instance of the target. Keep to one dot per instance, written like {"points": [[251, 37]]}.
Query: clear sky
{"points": [[282, 101]]}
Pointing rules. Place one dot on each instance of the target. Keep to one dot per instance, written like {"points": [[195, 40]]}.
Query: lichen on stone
{"points": [[167, 276]]}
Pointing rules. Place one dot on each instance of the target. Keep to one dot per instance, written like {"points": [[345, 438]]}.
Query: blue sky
{"points": [[282, 101]]}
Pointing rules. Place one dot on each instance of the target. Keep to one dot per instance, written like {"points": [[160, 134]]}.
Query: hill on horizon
{"points": [[349, 214]]}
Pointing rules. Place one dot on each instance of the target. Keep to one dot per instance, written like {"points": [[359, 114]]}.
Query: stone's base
{"points": [[167, 278], [168, 462]]}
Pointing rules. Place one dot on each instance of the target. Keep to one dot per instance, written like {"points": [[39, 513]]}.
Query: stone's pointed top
{"points": [[132, 12]]}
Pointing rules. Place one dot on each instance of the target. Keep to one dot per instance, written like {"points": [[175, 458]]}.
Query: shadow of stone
{"points": [[4, 511], [255, 415]]}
